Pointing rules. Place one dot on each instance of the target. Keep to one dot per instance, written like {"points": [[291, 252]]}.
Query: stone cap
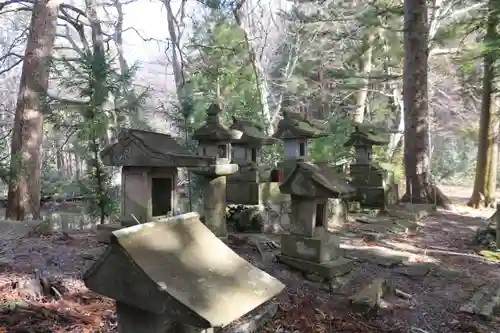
{"points": [[213, 129], [296, 126], [309, 180], [138, 148], [251, 133], [367, 135], [178, 266]]}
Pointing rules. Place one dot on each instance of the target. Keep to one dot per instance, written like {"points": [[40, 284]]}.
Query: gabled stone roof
{"points": [[251, 132], [309, 180], [164, 267], [138, 148], [295, 126], [366, 135]]}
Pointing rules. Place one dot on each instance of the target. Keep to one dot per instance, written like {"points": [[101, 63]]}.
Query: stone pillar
{"points": [[214, 197]]}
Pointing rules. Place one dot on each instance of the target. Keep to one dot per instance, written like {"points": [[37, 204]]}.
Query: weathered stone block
{"points": [[328, 269], [368, 299], [318, 250]]}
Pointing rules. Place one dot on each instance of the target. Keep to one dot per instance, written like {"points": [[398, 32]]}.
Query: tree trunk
{"points": [[177, 63], [487, 153], [27, 136], [416, 158], [260, 77], [365, 68]]}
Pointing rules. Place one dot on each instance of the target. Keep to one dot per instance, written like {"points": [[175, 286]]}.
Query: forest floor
{"points": [[443, 243]]}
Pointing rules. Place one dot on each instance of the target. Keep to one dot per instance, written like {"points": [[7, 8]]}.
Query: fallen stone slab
{"points": [[377, 228], [377, 255], [411, 212], [372, 236], [409, 227], [368, 299], [483, 303], [254, 321], [413, 271], [374, 220]]}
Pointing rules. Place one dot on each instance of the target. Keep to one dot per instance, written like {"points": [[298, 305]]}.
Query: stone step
{"points": [[483, 303]]}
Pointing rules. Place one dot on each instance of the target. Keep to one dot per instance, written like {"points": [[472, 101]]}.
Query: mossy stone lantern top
{"points": [[246, 149], [295, 130], [363, 138], [213, 137]]}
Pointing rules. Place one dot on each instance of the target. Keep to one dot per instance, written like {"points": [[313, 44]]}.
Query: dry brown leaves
{"points": [[310, 315], [86, 313]]}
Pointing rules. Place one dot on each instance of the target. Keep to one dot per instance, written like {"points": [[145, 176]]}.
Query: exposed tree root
{"points": [[429, 194]]}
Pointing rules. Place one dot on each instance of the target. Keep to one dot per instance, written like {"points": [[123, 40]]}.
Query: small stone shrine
{"points": [[164, 280], [149, 164], [214, 140], [252, 184], [309, 246], [295, 130], [370, 181]]}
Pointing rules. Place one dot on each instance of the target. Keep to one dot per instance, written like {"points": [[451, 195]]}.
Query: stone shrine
{"points": [[309, 246], [214, 141], [373, 183], [295, 130], [164, 280], [149, 163]]}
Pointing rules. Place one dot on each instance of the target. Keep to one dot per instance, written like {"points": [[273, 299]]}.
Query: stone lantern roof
{"points": [[367, 135], [213, 129], [296, 126], [251, 132], [309, 180]]}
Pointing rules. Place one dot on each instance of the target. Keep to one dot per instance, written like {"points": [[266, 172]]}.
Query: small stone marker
{"points": [[368, 299], [483, 303], [175, 275]]}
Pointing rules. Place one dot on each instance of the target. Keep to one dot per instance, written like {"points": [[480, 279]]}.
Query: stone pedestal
{"points": [[214, 204], [214, 195], [321, 254]]}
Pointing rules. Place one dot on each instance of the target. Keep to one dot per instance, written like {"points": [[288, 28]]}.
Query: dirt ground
{"points": [[443, 243]]}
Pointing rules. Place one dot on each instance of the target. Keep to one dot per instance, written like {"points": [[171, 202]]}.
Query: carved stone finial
{"points": [[213, 112]]}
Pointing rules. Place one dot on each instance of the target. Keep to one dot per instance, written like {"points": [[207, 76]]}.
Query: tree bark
{"points": [[416, 158], [25, 165], [365, 68], [487, 153], [260, 78]]}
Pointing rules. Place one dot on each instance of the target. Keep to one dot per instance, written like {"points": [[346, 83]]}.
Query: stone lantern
{"points": [[295, 131], [251, 138], [371, 181], [214, 141]]}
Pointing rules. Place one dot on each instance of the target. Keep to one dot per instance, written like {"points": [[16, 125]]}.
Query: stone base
{"points": [[326, 247], [329, 269]]}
